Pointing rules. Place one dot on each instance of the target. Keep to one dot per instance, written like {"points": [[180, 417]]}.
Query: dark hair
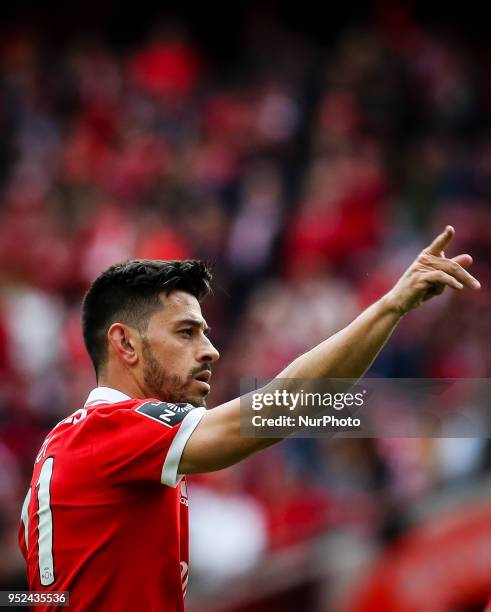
{"points": [[129, 293]]}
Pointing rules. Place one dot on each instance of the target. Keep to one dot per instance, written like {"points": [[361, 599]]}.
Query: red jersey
{"points": [[106, 514]]}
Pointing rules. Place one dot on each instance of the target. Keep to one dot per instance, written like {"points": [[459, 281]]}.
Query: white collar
{"points": [[105, 395]]}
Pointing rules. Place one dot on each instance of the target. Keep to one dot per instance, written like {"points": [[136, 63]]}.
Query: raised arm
{"points": [[216, 443]]}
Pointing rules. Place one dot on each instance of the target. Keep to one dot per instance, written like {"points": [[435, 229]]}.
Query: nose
{"points": [[209, 353]]}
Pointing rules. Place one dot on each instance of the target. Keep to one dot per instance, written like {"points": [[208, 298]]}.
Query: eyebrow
{"points": [[195, 323]]}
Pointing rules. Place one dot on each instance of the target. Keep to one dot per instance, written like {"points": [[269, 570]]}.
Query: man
{"points": [[106, 515]]}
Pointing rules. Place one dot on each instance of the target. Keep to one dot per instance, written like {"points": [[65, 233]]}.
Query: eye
{"points": [[187, 332]]}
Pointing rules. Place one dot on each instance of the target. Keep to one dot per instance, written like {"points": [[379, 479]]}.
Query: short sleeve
{"points": [[143, 443]]}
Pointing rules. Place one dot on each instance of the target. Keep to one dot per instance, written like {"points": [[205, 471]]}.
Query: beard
{"points": [[168, 387]]}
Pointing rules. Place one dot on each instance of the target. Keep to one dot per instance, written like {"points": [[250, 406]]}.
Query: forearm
{"points": [[350, 352]]}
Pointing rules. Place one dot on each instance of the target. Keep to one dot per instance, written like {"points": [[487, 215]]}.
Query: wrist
{"points": [[391, 305]]}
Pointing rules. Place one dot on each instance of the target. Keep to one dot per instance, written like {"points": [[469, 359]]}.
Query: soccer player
{"points": [[106, 514]]}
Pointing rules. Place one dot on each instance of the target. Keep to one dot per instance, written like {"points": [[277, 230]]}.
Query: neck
{"points": [[128, 387]]}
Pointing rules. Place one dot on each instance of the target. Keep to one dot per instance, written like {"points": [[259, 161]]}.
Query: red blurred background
{"points": [[308, 156]]}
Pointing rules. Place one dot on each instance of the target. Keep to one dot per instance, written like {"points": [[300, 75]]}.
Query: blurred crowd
{"points": [[310, 176]]}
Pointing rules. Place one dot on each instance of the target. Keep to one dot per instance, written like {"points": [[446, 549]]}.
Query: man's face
{"points": [[176, 352]]}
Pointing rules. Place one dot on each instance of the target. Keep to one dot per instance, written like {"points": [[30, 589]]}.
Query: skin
{"points": [[165, 361]]}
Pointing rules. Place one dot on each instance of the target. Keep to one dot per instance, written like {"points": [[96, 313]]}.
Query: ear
{"points": [[123, 343]]}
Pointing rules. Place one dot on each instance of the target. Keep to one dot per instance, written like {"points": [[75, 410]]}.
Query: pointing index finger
{"points": [[441, 241]]}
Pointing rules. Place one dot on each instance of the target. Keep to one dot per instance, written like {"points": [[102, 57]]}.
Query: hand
{"points": [[430, 273]]}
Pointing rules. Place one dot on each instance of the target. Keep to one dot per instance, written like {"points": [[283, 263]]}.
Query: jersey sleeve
{"points": [[143, 443]]}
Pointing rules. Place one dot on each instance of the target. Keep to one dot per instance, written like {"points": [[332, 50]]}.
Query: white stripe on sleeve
{"points": [[169, 476]]}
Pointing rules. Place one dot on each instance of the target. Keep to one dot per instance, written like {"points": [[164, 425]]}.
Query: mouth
{"points": [[203, 376]]}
